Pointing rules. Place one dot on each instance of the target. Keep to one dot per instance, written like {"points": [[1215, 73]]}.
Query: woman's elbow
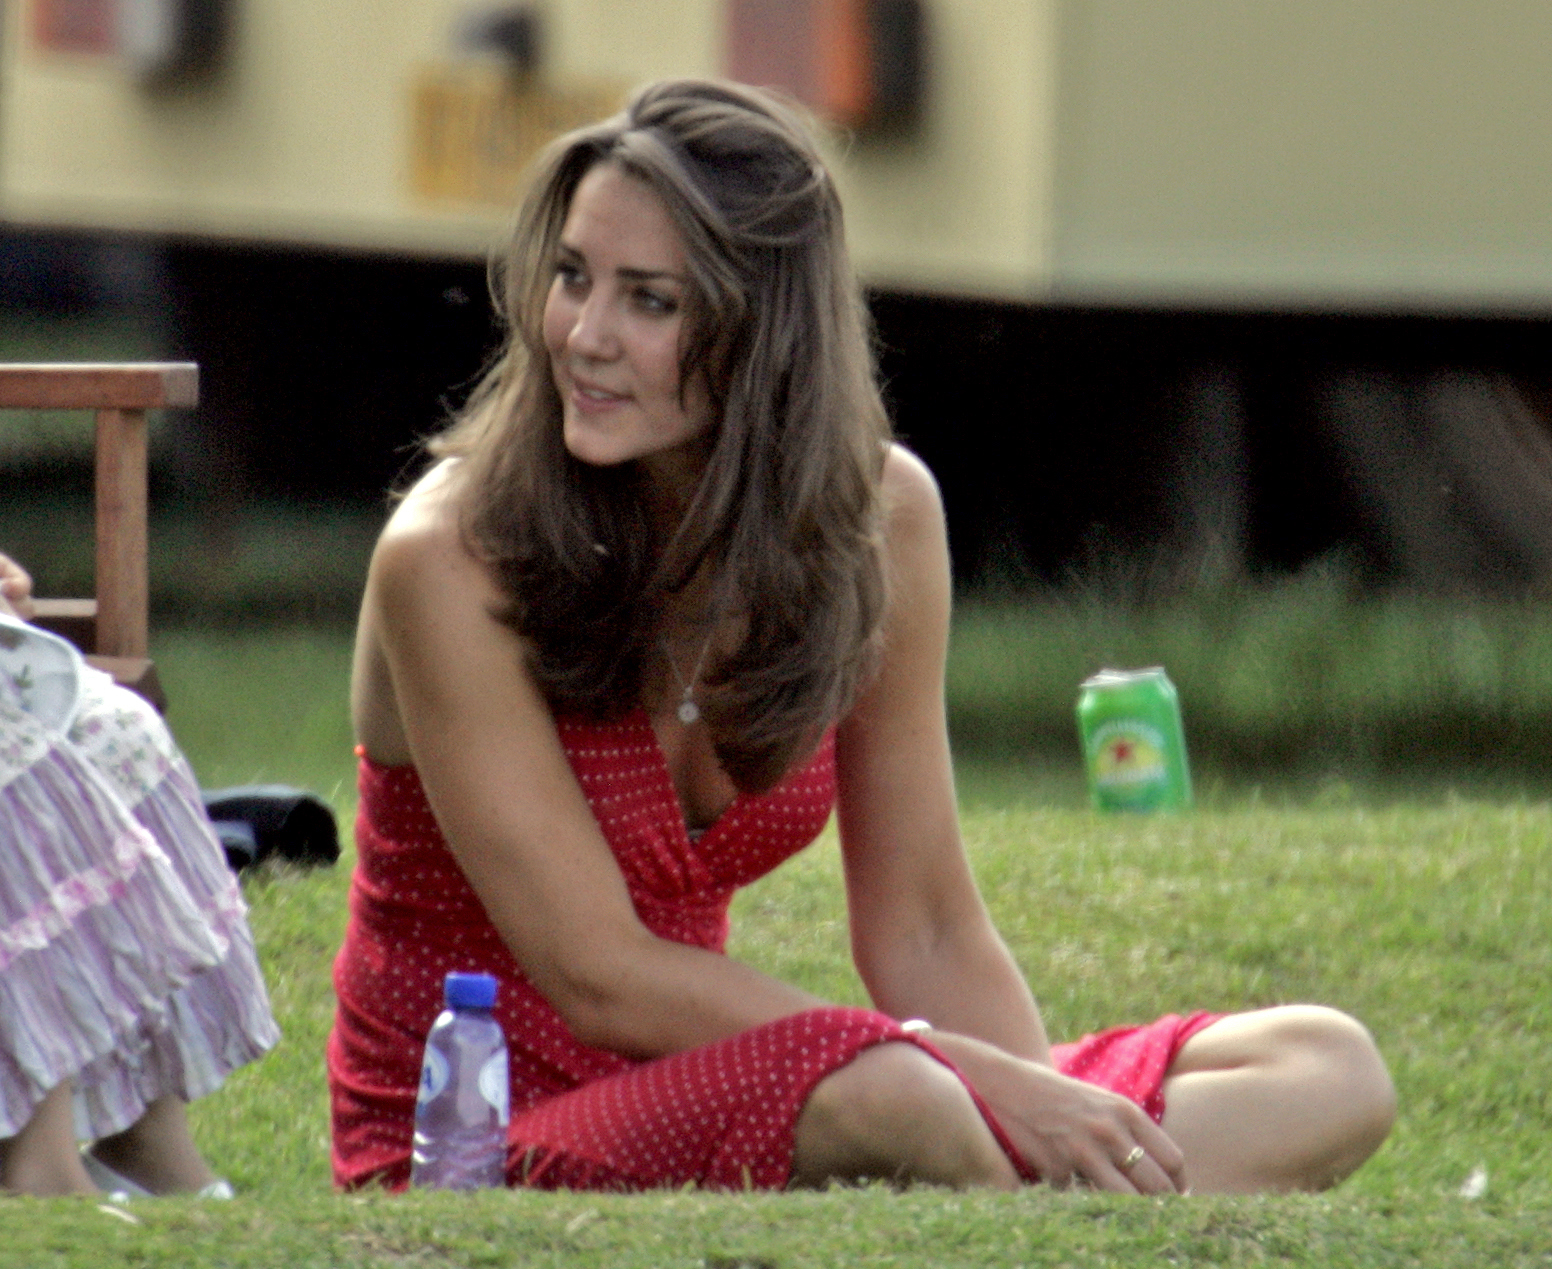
{"points": [[598, 1003], [597, 1020]]}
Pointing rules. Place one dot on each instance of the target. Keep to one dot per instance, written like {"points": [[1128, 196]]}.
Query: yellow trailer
{"points": [[365, 125], [1199, 153]]}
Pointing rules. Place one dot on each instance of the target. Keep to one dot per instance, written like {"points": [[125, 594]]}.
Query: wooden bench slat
{"points": [[74, 619], [147, 385], [64, 610]]}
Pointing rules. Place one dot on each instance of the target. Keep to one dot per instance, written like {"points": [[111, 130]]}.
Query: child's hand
{"points": [[15, 589]]}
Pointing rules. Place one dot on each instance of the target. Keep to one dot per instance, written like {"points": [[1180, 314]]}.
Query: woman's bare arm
{"points": [[922, 939]]}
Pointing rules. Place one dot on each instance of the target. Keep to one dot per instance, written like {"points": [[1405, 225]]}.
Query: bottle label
{"points": [[433, 1075], [493, 1086]]}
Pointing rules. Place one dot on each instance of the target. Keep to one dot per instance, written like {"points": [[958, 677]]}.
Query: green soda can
{"points": [[1133, 744]]}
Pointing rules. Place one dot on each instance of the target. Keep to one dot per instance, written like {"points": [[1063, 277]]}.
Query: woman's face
{"points": [[614, 326]]}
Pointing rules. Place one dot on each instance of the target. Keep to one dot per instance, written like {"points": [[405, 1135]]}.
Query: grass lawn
{"points": [[1426, 913]]}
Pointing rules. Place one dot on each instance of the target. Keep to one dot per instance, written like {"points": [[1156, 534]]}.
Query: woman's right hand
{"points": [[1070, 1132], [15, 589]]}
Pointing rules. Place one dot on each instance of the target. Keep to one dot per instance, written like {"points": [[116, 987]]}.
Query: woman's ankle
{"points": [[156, 1152]]}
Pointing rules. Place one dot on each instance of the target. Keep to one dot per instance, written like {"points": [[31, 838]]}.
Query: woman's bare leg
{"points": [[897, 1114], [42, 1158], [1292, 1098], [157, 1152]]}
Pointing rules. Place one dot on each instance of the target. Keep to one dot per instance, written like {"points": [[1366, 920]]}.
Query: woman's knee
{"points": [[1305, 1082], [1343, 1067], [1332, 1051], [1351, 1062], [1328, 1037], [1284, 1034]]}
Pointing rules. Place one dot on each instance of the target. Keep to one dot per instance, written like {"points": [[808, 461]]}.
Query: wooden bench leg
{"points": [[122, 588]]}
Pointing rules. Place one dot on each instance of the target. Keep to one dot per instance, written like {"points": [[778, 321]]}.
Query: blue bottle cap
{"points": [[469, 991]]}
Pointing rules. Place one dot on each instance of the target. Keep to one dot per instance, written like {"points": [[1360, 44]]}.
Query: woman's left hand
{"points": [[1068, 1131], [15, 589]]}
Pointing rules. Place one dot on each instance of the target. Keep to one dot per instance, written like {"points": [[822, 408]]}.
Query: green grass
{"points": [[1424, 913], [271, 705], [1428, 923], [861, 1228]]}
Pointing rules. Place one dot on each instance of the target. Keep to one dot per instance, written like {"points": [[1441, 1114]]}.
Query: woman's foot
{"points": [[120, 1189]]}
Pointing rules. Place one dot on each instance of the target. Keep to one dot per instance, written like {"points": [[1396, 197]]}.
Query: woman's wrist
{"points": [[1035, 1049], [979, 1060]]}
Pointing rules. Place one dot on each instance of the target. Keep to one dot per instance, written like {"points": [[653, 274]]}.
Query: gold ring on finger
{"points": [[1134, 1156]]}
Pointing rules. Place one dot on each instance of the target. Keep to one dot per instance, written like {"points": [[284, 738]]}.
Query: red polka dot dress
{"points": [[720, 1116]]}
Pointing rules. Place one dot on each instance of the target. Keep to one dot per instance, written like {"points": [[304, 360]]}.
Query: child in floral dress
{"points": [[128, 979]]}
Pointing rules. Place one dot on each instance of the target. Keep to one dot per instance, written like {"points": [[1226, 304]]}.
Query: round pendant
{"points": [[689, 711]]}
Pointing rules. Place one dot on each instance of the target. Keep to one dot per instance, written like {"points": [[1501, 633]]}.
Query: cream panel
{"points": [[1389, 153], [303, 138], [637, 40], [307, 137], [963, 206]]}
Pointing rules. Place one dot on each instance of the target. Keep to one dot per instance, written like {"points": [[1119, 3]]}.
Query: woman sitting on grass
{"points": [[128, 980], [669, 595]]}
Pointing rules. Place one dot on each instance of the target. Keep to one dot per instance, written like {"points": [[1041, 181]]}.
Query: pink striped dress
{"points": [[720, 1116], [126, 964]]}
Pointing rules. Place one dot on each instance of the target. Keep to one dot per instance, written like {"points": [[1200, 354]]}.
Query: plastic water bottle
{"points": [[462, 1112]]}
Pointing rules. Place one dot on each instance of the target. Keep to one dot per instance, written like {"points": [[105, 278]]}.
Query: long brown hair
{"points": [[786, 513]]}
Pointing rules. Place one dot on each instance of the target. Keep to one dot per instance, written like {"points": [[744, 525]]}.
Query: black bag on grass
{"points": [[256, 821]]}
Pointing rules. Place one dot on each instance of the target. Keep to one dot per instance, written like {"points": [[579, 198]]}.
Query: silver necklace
{"points": [[688, 711]]}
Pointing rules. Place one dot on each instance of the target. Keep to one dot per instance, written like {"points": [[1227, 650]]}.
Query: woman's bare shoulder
{"points": [[428, 600], [422, 549], [913, 507], [427, 512]]}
